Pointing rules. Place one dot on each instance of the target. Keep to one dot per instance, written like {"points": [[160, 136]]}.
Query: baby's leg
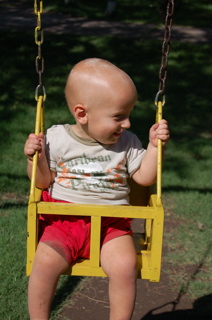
{"points": [[118, 260], [48, 266]]}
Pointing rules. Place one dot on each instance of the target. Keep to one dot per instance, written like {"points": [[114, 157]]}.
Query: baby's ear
{"points": [[80, 114]]}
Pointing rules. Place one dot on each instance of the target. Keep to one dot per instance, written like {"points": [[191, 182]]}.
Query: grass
{"points": [[186, 179], [190, 246], [12, 243], [13, 293]]}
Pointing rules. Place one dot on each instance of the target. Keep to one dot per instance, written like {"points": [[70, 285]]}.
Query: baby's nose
{"points": [[126, 124]]}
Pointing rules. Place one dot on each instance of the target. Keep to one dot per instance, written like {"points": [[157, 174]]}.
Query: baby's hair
{"points": [[98, 66], [96, 61], [92, 71]]}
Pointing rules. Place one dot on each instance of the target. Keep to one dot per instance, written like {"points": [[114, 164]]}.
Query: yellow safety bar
{"points": [[147, 206]]}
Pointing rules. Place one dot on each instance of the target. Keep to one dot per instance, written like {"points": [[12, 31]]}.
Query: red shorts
{"points": [[70, 235]]}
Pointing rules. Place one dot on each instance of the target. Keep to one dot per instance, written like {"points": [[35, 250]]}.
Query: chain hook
{"points": [[157, 98], [36, 92]]}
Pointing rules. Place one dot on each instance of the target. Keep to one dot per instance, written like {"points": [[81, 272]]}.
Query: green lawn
{"points": [[187, 183]]}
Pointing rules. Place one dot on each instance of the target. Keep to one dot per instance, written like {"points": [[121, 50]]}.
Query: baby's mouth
{"points": [[117, 134]]}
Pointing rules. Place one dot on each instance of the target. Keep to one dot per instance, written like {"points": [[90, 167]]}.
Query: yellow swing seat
{"points": [[145, 206]]}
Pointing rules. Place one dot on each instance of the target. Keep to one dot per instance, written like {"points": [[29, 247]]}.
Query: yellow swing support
{"points": [[147, 207]]}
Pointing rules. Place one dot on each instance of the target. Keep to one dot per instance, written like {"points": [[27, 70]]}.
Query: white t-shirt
{"points": [[90, 172]]}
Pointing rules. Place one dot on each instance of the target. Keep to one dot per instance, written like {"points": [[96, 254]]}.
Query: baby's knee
{"points": [[47, 261], [118, 258], [124, 267], [127, 265]]}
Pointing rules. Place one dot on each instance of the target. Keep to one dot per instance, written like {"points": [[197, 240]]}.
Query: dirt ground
{"points": [[20, 15], [155, 301]]}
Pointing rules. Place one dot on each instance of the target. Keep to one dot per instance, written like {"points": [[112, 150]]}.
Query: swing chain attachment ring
{"points": [[157, 98], [40, 87]]}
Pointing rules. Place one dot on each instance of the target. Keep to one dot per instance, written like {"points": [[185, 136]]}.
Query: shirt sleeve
{"points": [[50, 147], [135, 154]]}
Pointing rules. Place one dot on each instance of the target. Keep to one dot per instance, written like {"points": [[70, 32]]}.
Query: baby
{"points": [[89, 162]]}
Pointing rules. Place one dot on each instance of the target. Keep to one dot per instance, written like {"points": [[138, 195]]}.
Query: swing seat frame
{"points": [[144, 205]]}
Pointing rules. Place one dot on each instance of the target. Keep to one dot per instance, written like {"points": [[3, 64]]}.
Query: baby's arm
{"points": [[45, 176], [147, 173]]}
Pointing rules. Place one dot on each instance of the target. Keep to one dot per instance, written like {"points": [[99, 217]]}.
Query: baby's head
{"points": [[96, 90]]}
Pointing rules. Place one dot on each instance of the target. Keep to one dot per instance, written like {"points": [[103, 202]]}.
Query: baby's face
{"points": [[110, 116]]}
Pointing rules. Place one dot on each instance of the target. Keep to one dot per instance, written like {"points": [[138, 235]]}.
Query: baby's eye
{"points": [[119, 117]]}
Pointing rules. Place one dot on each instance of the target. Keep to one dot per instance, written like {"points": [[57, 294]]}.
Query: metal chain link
{"points": [[39, 38], [165, 50]]}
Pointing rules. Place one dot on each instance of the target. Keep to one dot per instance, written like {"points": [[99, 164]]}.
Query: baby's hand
{"points": [[34, 143], [159, 131]]}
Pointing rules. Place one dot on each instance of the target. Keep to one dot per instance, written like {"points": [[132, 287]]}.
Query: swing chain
{"points": [[39, 38], [165, 50]]}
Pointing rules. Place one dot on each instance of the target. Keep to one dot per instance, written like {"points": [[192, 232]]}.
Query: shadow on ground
{"points": [[202, 310]]}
